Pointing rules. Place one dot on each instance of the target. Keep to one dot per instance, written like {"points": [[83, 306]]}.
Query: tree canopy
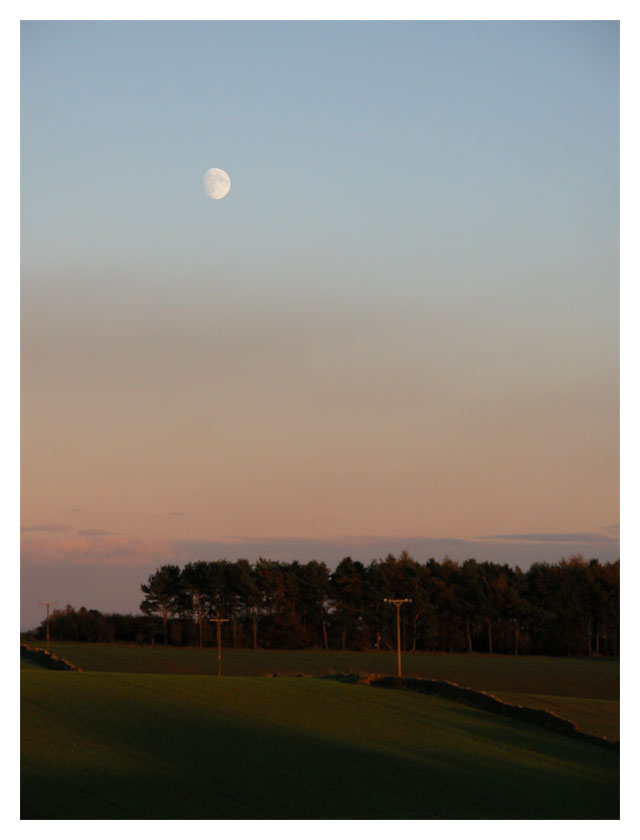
{"points": [[567, 608]]}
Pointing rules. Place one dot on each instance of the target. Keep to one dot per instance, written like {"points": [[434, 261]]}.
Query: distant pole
{"points": [[47, 604], [398, 602], [219, 622]]}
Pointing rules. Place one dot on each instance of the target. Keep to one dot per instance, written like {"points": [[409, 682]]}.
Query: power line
{"points": [[219, 622], [398, 602], [47, 604]]}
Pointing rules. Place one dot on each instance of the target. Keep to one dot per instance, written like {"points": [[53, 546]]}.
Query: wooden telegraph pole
{"points": [[219, 622], [47, 604], [398, 602]]}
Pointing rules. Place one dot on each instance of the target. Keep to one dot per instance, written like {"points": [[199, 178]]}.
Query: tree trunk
{"points": [[415, 623], [164, 622], [515, 646], [490, 638], [324, 635], [589, 637], [344, 639], [469, 645], [598, 639], [255, 632], [235, 633]]}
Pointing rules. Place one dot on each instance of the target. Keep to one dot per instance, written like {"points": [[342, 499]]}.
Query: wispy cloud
{"points": [[95, 548], [347, 539], [562, 537], [96, 532], [85, 550], [54, 527], [329, 550]]}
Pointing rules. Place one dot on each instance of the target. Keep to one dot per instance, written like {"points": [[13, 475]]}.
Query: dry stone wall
{"points": [[48, 659], [481, 700]]}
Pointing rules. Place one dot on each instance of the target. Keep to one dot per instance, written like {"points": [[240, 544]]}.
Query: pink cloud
{"points": [[96, 532], [107, 550], [49, 526]]}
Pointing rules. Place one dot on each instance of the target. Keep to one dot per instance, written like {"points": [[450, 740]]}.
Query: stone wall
{"points": [[48, 659], [481, 700]]}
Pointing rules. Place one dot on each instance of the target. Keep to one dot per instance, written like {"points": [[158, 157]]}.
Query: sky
{"points": [[399, 330]]}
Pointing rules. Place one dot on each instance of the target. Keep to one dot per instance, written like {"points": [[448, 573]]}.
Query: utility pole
{"points": [[219, 622], [47, 604], [398, 602]]}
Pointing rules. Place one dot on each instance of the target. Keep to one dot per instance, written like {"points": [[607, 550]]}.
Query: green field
{"points": [[102, 745], [583, 690], [596, 716], [30, 665]]}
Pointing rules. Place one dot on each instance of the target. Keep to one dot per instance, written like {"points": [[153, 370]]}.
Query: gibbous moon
{"points": [[216, 183]]}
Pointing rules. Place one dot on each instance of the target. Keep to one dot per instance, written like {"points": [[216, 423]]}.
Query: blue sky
{"points": [[412, 135]]}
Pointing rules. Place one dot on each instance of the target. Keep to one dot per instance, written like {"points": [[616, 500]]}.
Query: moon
{"points": [[216, 183]]}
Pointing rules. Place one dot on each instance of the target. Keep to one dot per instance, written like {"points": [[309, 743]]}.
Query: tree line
{"points": [[567, 608]]}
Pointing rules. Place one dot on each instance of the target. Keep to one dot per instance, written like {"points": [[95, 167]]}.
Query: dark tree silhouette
{"points": [[162, 594], [567, 608]]}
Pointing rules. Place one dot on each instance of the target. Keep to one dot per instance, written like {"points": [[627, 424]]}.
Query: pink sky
{"points": [[400, 328]]}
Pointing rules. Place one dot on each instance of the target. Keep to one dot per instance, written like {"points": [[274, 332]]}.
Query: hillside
{"points": [[117, 746]]}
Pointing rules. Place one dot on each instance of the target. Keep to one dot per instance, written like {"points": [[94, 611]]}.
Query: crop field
{"points": [[583, 690], [100, 745], [593, 715], [30, 665]]}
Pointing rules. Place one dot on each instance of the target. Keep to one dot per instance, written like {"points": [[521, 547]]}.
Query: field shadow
{"points": [[167, 758]]}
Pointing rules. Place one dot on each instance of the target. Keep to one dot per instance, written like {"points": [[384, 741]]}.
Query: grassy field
{"points": [[30, 665], [596, 716], [102, 745], [583, 690]]}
